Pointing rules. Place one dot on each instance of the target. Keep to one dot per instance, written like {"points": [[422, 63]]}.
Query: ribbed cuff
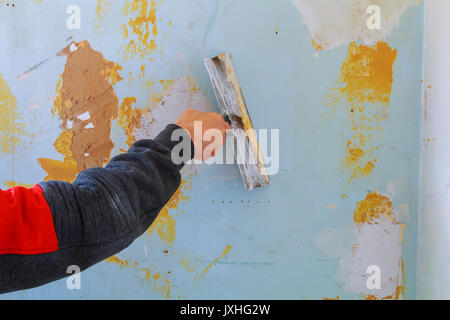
{"points": [[165, 138]]}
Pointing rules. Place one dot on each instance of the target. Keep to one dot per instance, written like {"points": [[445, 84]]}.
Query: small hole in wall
{"points": [[248, 202]]}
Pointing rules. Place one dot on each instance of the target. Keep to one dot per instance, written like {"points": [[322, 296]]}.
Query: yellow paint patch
{"points": [[363, 91], [224, 253], [11, 121], [373, 207], [164, 225], [159, 282], [59, 170], [142, 72], [12, 184], [367, 73], [116, 260], [65, 170], [102, 9], [112, 72], [374, 297], [141, 29], [121, 263], [337, 298], [316, 45], [63, 142], [401, 288], [129, 118], [57, 104]]}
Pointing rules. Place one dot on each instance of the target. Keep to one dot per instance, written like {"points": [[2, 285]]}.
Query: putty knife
{"points": [[234, 110]]}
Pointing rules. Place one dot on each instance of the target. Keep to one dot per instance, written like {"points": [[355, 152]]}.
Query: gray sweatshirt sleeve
{"points": [[101, 213]]}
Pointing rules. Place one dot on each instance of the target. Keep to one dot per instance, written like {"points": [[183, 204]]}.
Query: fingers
{"points": [[220, 118], [209, 121]]}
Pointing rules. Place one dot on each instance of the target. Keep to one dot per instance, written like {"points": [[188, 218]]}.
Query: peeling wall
{"points": [[336, 23], [346, 101]]}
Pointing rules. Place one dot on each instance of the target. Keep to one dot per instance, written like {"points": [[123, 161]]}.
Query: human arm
{"points": [[98, 215]]}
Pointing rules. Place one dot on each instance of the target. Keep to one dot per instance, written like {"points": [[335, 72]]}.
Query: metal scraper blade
{"points": [[232, 104]]}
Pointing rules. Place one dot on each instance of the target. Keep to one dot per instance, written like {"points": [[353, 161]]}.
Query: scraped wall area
{"points": [[80, 81]]}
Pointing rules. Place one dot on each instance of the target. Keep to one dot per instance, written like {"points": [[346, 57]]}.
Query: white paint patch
{"points": [[336, 23], [361, 246], [84, 116], [175, 100], [69, 124], [90, 125]]}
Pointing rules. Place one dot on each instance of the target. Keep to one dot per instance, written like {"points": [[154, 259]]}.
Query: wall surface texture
{"points": [[433, 280], [346, 99]]}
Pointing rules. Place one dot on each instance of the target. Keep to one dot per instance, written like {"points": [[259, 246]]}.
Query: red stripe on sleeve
{"points": [[26, 222]]}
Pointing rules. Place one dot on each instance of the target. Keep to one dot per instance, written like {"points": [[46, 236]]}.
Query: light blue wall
{"points": [[271, 231]]}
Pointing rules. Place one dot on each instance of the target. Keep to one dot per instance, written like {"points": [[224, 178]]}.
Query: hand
{"points": [[204, 125]]}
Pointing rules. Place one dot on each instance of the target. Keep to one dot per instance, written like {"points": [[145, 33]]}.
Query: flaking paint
{"points": [[363, 94], [11, 120]]}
